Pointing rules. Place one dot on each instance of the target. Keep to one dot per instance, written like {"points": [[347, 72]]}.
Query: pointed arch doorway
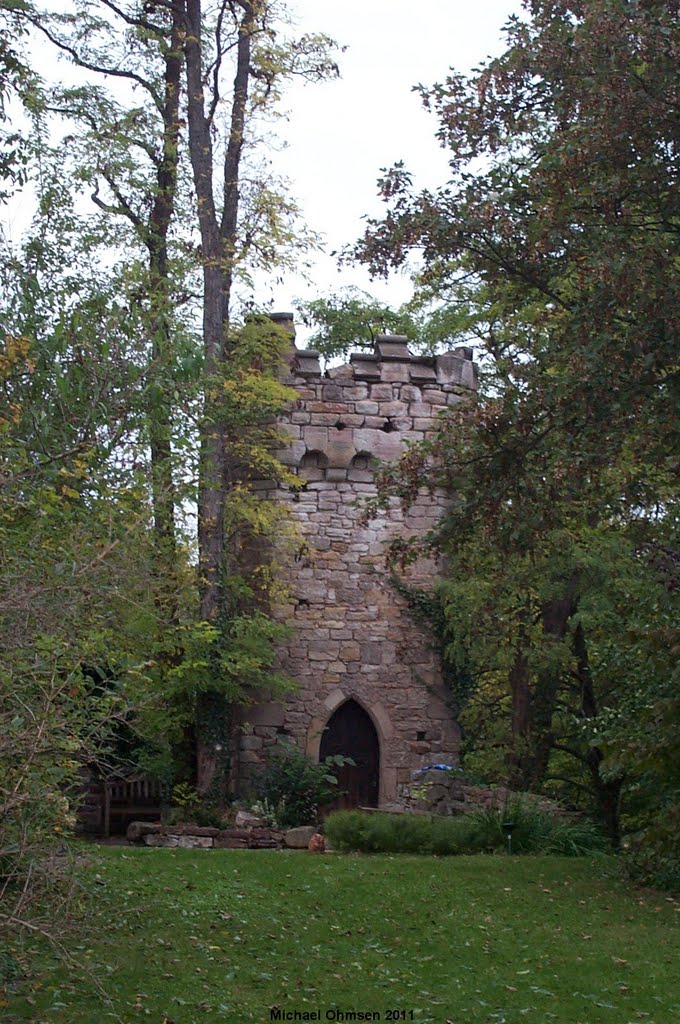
{"points": [[351, 732]]}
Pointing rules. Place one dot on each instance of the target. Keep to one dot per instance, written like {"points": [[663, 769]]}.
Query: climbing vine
{"points": [[429, 610]]}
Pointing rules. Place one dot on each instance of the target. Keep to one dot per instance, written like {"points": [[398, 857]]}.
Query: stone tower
{"points": [[369, 682]]}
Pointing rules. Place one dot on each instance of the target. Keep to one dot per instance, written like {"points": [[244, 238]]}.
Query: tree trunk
{"points": [[219, 246], [160, 403], [555, 617], [607, 792], [533, 703], [519, 681]]}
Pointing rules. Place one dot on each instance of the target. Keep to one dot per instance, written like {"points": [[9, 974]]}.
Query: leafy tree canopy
{"points": [[556, 245], [570, 233]]}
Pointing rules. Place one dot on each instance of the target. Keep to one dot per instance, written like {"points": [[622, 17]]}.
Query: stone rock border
{"points": [[198, 837]]}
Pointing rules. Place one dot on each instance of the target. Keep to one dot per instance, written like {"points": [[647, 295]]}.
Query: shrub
{"points": [[269, 814], [536, 831], [295, 786], [652, 855], [51, 723], [399, 833], [189, 808]]}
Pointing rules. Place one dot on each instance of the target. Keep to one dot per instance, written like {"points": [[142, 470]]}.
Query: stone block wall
{"points": [[354, 636], [444, 793]]}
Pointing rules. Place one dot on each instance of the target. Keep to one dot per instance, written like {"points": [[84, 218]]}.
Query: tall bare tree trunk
{"points": [[533, 700], [219, 244], [519, 683], [160, 405], [555, 616], [607, 791]]}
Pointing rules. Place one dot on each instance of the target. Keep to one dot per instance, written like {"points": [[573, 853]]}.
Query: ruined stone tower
{"points": [[369, 681]]}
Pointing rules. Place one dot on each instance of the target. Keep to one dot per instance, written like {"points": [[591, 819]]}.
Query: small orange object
{"points": [[317, 844]]}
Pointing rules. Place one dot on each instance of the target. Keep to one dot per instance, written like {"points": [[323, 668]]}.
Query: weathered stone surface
{"points": [[392, 346], [450, 368], [368, 407], [307, 363], [439, 792], [353, 635], [195, 837], [298, 838], [244, 819], [422, 372], [292, 454], [136, 830], [396, 371], [234, 833], [193, 842], [274, 834], [161, 840], [189, 829], [266, 714], [251, 743]]}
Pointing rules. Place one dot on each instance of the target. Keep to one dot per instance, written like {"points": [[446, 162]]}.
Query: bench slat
{"points": [[132, 796]]}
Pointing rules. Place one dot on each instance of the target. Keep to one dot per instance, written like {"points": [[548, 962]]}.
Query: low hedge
{"points": [[535, 831]]}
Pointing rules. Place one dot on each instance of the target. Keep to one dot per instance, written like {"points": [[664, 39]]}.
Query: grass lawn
{"points": [[209, 936]]}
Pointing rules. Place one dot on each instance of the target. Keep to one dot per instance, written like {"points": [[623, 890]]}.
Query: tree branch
{"points": [[99, 69], [148, 26]]}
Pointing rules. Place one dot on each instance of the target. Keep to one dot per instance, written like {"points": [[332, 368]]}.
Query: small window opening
{"points": [[340, 425], [388, 426], [420, 736], [312, 466], [363, 460], [314, 460]]}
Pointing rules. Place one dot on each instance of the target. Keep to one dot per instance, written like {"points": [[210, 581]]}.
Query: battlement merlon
{"points": [[391, 361]]}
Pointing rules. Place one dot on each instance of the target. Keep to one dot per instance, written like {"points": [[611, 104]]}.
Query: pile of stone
{"points": [[240, 837], [443, 792]]}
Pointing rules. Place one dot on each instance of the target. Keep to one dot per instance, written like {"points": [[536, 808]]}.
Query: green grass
{"points": [[212, 936]]}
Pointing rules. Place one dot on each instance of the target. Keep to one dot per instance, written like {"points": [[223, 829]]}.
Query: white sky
{"points": [[341, 133]]}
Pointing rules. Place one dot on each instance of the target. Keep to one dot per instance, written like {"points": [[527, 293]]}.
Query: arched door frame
{"points": [[383, 727]]}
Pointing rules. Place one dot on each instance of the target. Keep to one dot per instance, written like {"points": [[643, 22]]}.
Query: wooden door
{"points": [[351, 732]]}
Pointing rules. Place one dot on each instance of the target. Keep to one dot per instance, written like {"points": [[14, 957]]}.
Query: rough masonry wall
{"points": [[354, 636]]}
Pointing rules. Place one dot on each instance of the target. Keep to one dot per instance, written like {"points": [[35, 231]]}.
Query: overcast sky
{"points": [[341, 133]]}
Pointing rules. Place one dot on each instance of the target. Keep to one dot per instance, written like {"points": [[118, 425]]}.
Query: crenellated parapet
{"points": [[373, 404]]}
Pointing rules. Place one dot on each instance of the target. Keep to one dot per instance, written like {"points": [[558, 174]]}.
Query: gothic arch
{"points": [[379, 717], [350, 733]]}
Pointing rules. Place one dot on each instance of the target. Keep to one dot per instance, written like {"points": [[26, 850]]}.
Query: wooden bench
{"points": [[133, 798]]}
